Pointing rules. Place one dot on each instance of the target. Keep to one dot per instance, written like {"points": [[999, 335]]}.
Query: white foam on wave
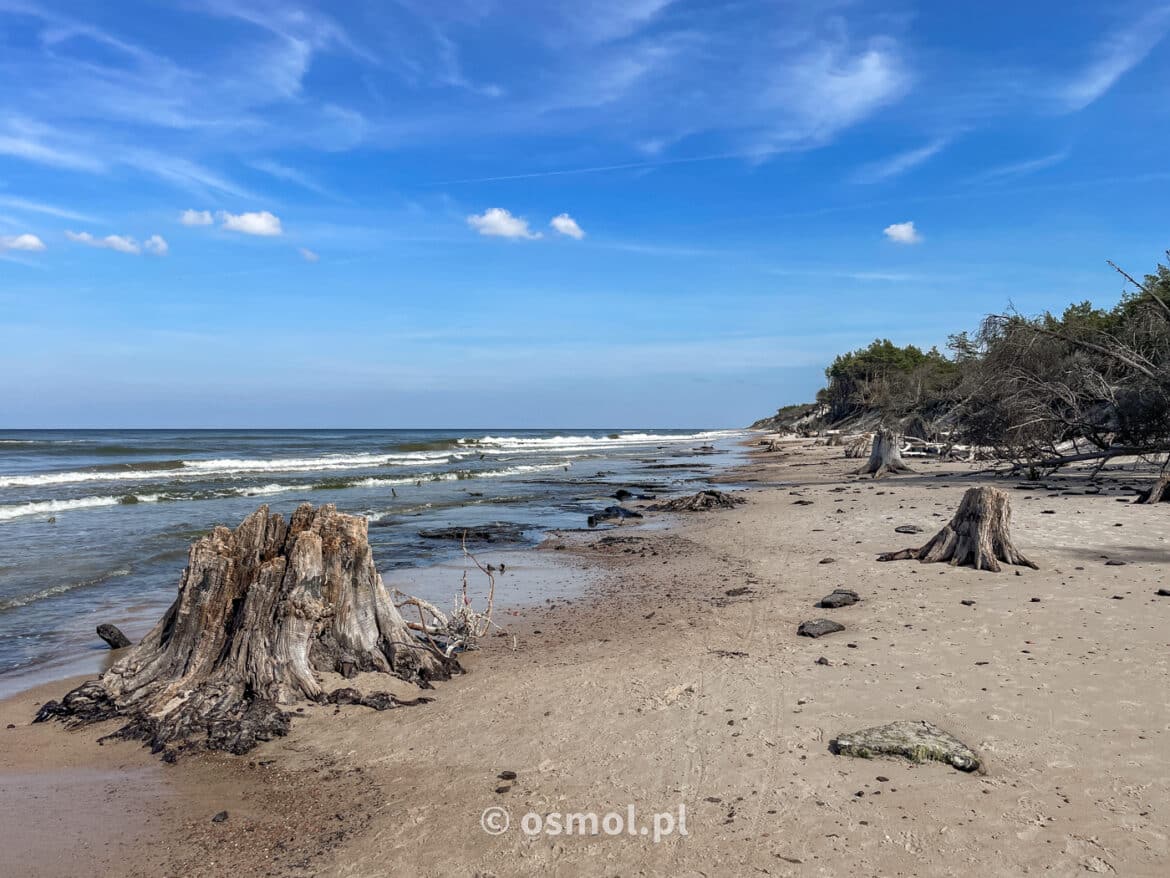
{"points": [[497, 444], [229, 467], [51, 507]]}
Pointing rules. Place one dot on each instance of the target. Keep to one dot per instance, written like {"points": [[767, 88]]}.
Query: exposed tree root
{"points": [[1159, 492], [260, 611], [700, 502], [978, 536]]}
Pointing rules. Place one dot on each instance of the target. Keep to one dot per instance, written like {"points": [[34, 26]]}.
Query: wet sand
{"points": [[678, 678]]}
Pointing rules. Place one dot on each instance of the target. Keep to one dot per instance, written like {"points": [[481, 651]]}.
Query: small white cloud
{"points": [[499, 223], [196, 218], [157, 245], [566, 225], [120, 243], [259, 222], [28, 243], [308, 255], [903, 233]]}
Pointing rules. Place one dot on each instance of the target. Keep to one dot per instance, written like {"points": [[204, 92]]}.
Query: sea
{"points": [[95, 524]]}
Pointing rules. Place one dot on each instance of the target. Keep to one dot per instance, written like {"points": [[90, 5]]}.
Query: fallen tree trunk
{"points": [[1159, 492], [885, 457], [978, 536], [260, 611]]}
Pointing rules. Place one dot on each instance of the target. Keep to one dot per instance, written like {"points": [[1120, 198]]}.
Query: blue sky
{"points": [[478, 213]]}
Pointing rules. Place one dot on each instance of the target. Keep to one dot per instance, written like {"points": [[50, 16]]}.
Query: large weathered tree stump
{"points": [[978, 536], [885, 457], [260, 610], [1159, 492]]}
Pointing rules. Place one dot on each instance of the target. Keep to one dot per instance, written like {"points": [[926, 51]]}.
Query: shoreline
{"points": [[676, 677]]}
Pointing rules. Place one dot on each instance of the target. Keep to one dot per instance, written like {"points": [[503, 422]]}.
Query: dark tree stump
{"points": [[885, 457], [1159, 492], [260, 609], [978, 536]]}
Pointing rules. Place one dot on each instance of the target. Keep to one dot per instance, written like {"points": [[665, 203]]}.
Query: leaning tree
{"points": [[262, 611], [1087, 386]]}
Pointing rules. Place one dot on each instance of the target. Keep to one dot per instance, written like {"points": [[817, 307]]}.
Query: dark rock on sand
{"points": [[506, 775], [113, 635], [492, 532], [623, 495], [1163, 592], [220, 817], [840, 597], [819, 628], [908, 529], [1115, 562], [612, 513], [916, 740]]}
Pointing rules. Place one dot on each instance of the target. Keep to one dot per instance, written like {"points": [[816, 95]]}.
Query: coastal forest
{"points": [[1089, 383]]}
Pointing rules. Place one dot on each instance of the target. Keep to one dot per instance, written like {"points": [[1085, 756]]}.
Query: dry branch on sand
{"points": [[885, 457], [261, 610], [703, 501], [978, 536]]}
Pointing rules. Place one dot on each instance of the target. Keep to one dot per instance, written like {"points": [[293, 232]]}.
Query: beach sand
{"points": [[678, 679]]}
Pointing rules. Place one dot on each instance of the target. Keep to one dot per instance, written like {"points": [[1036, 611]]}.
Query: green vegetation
{"points": [[1090, 381], [887, 378]]}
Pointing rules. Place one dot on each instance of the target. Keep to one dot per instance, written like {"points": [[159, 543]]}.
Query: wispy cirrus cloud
{"points": [[1022, 168], [27, 205], [1120, 51], [897, 165], [288, 174]]}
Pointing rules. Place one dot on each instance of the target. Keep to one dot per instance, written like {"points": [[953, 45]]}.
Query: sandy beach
{"points": [[678, 680]]}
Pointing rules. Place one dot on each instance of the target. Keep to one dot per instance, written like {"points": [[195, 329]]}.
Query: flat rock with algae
{"points": [[917, 740]]}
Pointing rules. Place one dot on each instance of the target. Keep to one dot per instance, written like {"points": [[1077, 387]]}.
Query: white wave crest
{"points": [[499, 444], [228, 467], [51, 507]]}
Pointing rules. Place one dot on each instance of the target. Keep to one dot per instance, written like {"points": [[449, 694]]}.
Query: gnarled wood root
{"points": [[978, 536], [260, 611]]}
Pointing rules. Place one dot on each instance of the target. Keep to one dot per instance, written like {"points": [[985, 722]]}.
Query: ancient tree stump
{"points": [[978, 536], [884, 457], [1159, 492], [260, 610]]}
